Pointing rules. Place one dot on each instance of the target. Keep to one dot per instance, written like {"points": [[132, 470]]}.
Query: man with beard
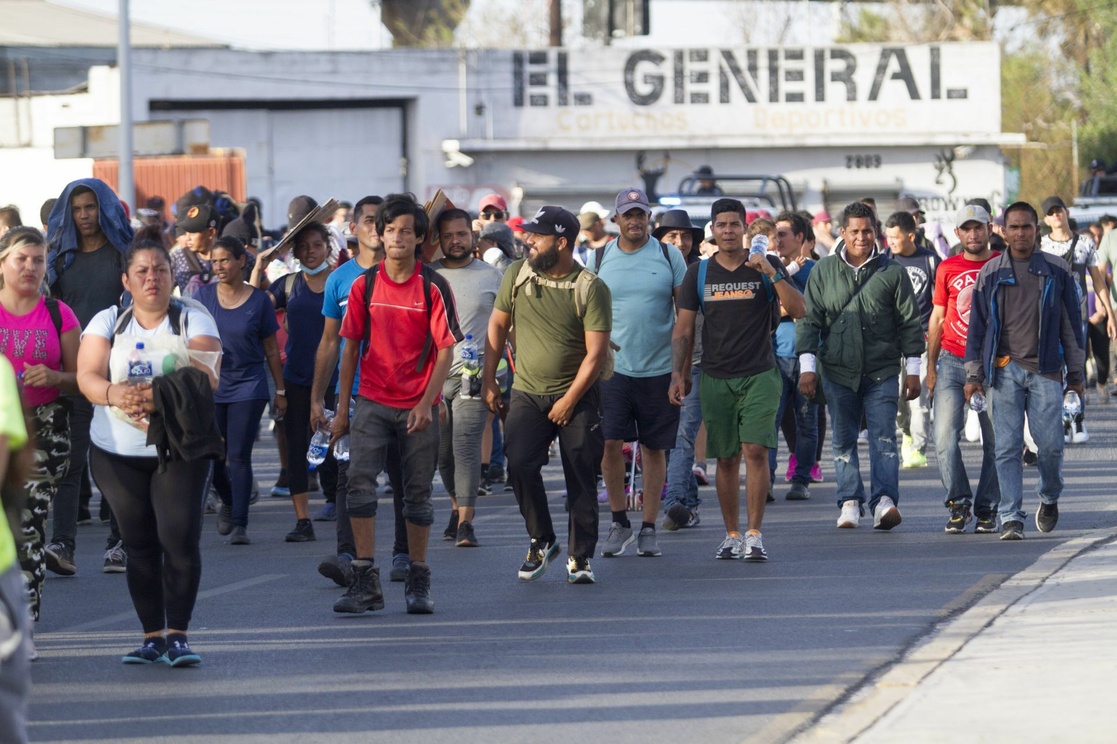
{"points": [[946, 350], [563, 316], [475, 284]]}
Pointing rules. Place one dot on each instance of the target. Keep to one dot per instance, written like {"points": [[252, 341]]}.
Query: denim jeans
{"points": [[682, 487], [1015, 391], [806, 423], [950, 418], [877, 401]]}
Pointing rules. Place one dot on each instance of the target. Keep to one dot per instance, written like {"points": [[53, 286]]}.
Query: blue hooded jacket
{"points": [[64, 240]]}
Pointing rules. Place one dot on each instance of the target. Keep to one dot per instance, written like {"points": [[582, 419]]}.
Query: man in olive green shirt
{"points": [[563, 316]]}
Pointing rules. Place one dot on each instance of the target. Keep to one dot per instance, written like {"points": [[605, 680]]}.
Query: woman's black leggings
{"points": [[297, 425], [160, 518]]}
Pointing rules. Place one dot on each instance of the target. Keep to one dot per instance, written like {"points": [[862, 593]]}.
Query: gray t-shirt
{"points": [[1020, 315], [92, 282], [475, 286]]}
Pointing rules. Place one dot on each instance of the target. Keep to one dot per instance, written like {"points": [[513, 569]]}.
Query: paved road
{"points": [[677, 648]]}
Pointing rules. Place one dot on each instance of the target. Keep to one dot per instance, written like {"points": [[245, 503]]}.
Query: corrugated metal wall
{"points": [[171, 177]]}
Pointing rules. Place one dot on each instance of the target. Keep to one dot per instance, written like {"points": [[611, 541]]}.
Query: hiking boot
{"points": [[224, 519], [281, 489], [754, 547], [578, 570], [620, 537], [451, 531], [328, 513], [798, 492], [400, 564], [303, 532], [239, 536], [337, 568], [417, 589], [886, 515], [364, 592], [152, 652], [1047, 516], [676, 517], [646, 544], [465, 537], [539, 556], [731, 548], [116, 559], [60, 559], [959, 517], [986, 524], [851, 514], [1012, 530]]}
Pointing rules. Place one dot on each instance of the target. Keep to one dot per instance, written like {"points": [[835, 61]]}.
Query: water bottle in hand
{"points": [[471, 368], [341, 449], [1072, 406], [139, 366], [977, 402], [759, 245], [319, 443]]}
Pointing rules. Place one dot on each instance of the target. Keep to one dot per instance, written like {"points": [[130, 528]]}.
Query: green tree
{"points": [[423, 23]]}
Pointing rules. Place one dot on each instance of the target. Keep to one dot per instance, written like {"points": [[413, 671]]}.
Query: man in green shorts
{"points": [[739, 293]]}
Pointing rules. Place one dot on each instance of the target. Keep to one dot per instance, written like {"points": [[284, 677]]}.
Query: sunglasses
{"points": [[495, 215]]}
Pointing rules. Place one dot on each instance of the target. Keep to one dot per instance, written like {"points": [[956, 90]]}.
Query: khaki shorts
{"points": [[740, 410]]}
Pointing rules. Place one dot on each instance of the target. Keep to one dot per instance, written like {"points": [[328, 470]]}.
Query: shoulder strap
{"points": [[428, 344], [178, 319], [370, 280], [55, 315], [598, 256], [523, 277], [666, 254], [702, 284], [289, 285]]}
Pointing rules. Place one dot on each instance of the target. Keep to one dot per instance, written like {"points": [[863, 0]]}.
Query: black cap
{"points": [[704, 171], [1097, 164], [198, 218], [909, 204], [677, 219], [244, 227], [1051, 202], [299, 207], [554, 221]]}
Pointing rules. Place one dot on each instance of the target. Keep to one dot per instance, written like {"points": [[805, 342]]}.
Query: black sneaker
{"points": [[677, 517], [986, 524], [578, 570], [1012, 530], [400, 564], [466, 538], [179, 655], [959, 517], [485, 487], [798, 492], [417, 589], [337, 568], [1047, 516], [239, 536], [303, 532], [152, 652], [60, 559], [496, 474], [224, 519], [451, 531], [364, 593], [539, 556]]}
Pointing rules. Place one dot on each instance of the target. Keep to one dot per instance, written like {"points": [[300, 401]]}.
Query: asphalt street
{"points": [[669, 649]]}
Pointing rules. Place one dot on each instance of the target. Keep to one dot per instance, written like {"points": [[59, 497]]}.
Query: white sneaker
{"points": [[851, 514], [1080, 435], [973, 426], [886, 515]]}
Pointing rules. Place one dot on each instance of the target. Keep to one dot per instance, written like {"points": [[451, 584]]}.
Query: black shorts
{"points": [[638, 408]]}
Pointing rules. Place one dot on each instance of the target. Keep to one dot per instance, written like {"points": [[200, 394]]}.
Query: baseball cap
{"points": [[971, 213], [821, 217], [1097, 164], [197, 218], [909, 204], [550, 220], [491, 201], [1051, 202], [516, 223], [630, 199], [586, 220], [299, 208], [595, 207], [501, 234]]}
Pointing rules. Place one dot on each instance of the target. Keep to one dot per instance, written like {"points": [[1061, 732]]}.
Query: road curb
{"points": [[854, 713]]}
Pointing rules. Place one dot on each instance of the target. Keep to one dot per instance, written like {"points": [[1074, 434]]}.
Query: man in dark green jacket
{"points": [[862, 326]]}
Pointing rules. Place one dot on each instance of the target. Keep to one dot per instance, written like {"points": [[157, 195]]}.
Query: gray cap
{"points": [[501, 234], [971, 213]]}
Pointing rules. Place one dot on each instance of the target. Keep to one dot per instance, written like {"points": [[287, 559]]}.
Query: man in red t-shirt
{"points": [[946, 377], [404, 335]]}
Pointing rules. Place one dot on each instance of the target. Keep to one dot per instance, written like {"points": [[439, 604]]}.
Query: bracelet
{"points": [[281, 393], [107, 403]]}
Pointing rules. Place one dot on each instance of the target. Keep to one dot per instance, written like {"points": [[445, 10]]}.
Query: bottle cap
{"points": [[139, 344]]}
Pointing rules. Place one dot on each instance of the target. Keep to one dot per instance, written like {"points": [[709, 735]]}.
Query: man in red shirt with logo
{"points": [[404, 331], [946, 377]]}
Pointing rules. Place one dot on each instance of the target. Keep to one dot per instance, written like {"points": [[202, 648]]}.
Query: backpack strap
{"points": [[55, 315], [370, 281], [289, 286], [702, 285], [176, 316], [428, 344]]}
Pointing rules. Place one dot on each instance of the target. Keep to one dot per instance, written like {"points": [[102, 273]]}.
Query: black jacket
{"points": [[183, 426]]}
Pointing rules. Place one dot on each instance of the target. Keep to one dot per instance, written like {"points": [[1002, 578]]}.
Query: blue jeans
{"points": [[877, 401], [1015, 391], [806, 423], [232, 477], [682, 487], [950, 418]]}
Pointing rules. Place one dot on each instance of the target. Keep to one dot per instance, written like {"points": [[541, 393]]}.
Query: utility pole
{"points": [[556, 23], [125, 185]]}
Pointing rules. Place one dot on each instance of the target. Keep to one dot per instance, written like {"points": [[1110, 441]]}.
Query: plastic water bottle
{"points": [[341, 449], [139, 366], [319, 443], [1072, 406], [977, 402], [471, 367], [759, 245]]}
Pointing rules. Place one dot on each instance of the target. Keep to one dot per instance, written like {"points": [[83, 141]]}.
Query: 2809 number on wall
{"points": [[863, 161]]}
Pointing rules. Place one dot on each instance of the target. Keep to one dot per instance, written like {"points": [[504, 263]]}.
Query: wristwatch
{"points": [[281, 392]]}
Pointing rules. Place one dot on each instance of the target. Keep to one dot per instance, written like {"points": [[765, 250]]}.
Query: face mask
{"points": [[321, 267]]}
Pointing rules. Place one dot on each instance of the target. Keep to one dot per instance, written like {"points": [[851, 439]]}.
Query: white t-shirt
{"points": [[109, 432]]}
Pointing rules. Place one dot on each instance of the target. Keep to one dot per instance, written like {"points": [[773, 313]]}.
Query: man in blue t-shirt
{"points": [[791, 234], [643, 277], [369, 253]]}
